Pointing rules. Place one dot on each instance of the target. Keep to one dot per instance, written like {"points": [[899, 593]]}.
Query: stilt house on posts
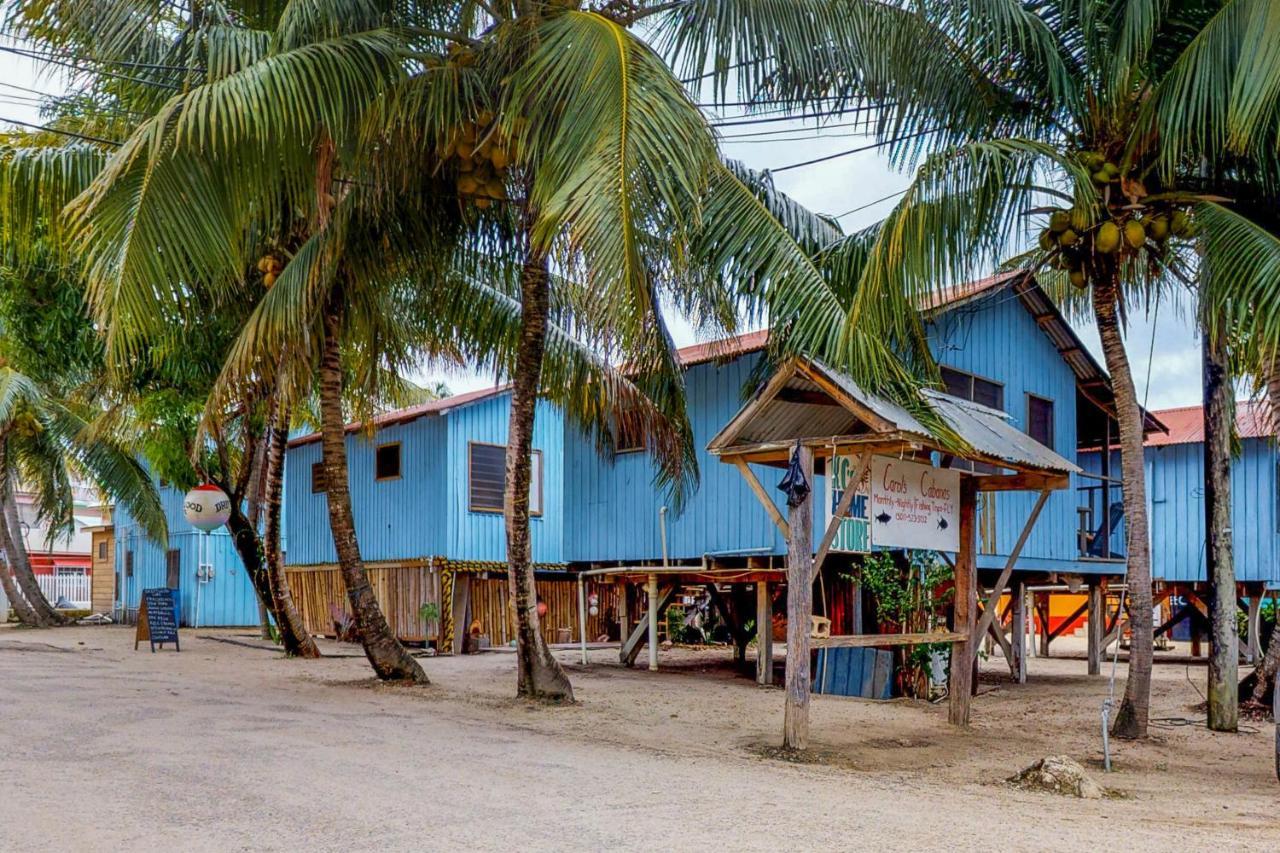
{"points": [[811, 415]]}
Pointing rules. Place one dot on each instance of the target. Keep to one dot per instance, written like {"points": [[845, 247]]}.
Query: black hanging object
{"points": [[794, 483]]}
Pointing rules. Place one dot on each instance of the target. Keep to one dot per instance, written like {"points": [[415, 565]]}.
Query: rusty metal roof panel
{"points": [[989, 432], [986, 430]]}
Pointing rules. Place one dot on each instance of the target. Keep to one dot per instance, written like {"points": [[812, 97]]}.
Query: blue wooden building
{"points": [[1175, 471], [213, 587], [426, 482]]}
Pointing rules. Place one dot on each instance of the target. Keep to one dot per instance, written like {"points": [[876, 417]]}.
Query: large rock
{"points": [[1058, 774]]}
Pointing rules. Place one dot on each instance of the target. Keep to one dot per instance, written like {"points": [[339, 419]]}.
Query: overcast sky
{"points": [[834, 186]]}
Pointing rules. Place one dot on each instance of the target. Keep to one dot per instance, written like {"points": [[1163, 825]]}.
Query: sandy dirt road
{"points": [[226, 747]]}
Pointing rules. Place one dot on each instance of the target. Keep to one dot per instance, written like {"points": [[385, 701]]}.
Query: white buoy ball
{"points": [[206, 507]]}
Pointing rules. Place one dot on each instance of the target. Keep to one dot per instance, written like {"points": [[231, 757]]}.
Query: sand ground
{"points": [[230, 747]]}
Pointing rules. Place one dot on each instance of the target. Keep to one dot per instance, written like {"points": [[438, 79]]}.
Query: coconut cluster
{"points": [[481, 155], [270, 266], [1129, 222]]}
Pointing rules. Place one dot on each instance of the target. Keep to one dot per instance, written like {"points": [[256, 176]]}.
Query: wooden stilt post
{"points": [[966, 583], [1018, 634], [653, 623], [764, 634], [1254, 625], [799, 610], [1097, 626], [1042, 608], [624, 617]]}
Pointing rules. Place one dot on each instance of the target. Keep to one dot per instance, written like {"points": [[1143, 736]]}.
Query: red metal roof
{"points": [[1186, 423], [725, 348]]}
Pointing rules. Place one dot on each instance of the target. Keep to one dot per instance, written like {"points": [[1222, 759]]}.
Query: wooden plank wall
{"points": [[400, 590], [489, 607]]}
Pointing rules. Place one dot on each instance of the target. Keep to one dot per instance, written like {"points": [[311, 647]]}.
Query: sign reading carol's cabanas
{"points": [[914, 505], [853, 534]]}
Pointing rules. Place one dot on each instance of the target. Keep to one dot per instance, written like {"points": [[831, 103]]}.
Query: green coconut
{"points": [[1158, 227], [1077, 278], [1046, 239], [1108, 239], [1068, 238], [1059, 221], [1180, 223], [1135, 234]]}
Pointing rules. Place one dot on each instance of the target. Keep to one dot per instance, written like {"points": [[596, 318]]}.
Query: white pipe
{"points": [[662, 527], [653, 623], [582, 615]]}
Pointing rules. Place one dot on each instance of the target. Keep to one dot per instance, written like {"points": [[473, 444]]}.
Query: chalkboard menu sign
{"points": [[157, 619]]}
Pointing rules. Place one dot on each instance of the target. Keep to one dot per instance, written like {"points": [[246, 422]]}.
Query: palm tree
{"points": [[539, 223], [1087, 120]]}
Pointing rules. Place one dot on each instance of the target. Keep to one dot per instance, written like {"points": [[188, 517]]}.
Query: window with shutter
{"points": [[487, 478]]}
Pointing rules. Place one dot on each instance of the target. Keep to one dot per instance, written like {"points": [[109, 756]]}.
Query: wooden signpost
{"points": [[157, 619]]}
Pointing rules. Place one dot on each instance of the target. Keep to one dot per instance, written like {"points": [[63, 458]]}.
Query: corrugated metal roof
{"points": [[986, 430], [1186, 423]]}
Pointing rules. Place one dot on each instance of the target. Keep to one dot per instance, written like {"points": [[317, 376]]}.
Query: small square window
{"points": [[317, 478], [386, 462], [1040, 419], [487, 475], [102, 550]]}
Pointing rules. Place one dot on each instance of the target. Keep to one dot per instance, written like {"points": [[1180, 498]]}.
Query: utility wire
{"points": [[100, 72], [70, 133], [862, 207], [857, 150]]}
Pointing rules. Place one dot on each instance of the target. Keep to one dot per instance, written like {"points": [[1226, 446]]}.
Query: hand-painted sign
{"points": [[914, 505], [157, 619], [851, 535]]}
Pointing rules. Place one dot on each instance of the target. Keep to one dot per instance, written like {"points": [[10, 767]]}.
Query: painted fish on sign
{"points": [[914, 505]]}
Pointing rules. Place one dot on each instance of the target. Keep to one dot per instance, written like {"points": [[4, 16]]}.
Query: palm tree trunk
{"points": [[539, 674], [254, 501], [15, 548], [26, 614], [293, 631], [1265, 673], [389, 658], [1219, 417], [1131, 719]]}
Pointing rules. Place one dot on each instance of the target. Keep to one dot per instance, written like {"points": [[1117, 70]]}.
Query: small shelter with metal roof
{"points": [[808, 414]]}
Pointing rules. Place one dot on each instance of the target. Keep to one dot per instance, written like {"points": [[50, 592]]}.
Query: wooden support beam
{"points": [[1096, 623], [961, 681], [795, 727], [863, 641], [1041, 602], [1018, 632], [765, 499], [764, 634], [996, 632], [1024, 482], [1253, 624], [846, 501], [730, 618], [998, 589], [635, 642]]}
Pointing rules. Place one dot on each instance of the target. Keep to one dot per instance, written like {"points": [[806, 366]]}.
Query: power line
{"points": [[802, 117], [75, 67], [70, 133], [862, 207], [870, 147]]}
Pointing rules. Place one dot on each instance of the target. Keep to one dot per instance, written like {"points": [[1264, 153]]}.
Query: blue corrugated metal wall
{"points": [[613, 507], [1176, 476], [426, 512], [227, 599], [481, 535], [395, 519], [997, 339]]}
